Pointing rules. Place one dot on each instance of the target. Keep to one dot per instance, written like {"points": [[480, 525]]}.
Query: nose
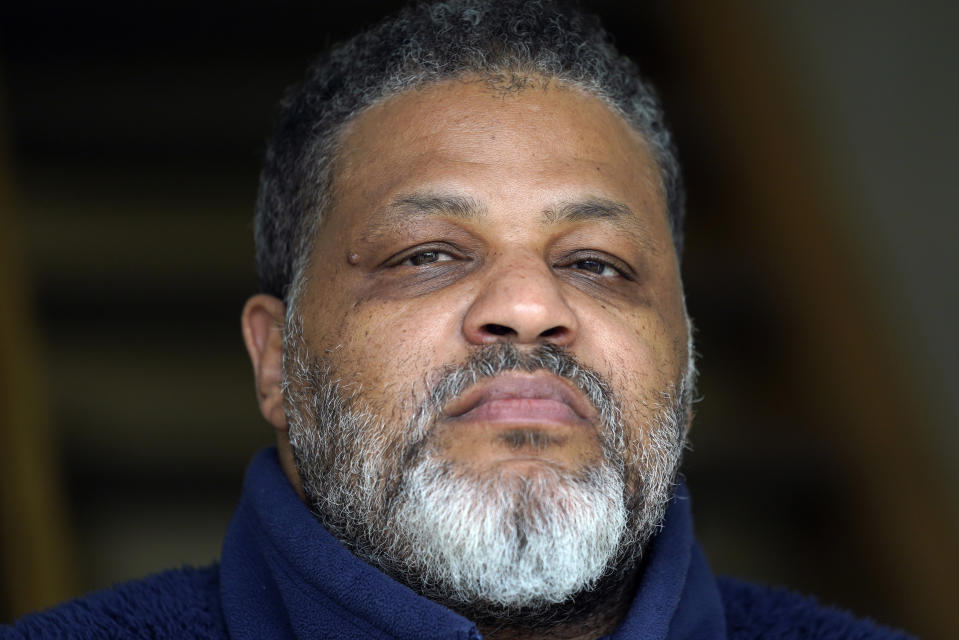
{"points": [[520, 301]]}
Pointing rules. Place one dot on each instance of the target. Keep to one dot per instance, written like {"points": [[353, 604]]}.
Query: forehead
{"points": [[544, 144]]}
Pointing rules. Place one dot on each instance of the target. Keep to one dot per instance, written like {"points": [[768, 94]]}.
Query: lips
{"points": [[522, 399]]}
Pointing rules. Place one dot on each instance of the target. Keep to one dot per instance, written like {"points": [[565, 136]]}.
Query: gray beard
{"points": [[492, 545]]}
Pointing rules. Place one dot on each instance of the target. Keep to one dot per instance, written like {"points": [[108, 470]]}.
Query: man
{"points": [[473, 346]]}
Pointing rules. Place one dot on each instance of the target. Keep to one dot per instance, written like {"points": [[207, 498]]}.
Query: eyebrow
{"points": [[420, 204], [424, 204], [588, 209], [618, 214]]}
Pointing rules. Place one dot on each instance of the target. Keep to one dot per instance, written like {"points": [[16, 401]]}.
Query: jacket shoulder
{"points": [[754, 612], [180, 603]]}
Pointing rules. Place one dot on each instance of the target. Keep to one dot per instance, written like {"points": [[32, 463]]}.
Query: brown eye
{"points": [[598, 267], [427, 257]]}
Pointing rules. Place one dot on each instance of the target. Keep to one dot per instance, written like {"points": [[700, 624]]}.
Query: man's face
{"points": [[463, 219]]}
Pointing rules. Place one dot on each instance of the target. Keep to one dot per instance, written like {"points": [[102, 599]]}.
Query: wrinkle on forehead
{"points": [[415, 155], [451, 126]]}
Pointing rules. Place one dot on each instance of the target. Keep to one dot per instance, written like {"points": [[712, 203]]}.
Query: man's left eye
{"points": [[598, 267]]}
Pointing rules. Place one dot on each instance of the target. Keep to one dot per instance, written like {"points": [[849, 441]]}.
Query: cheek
{"points": [[391, 349], [633, 363], [637, 346], [641, 362]]}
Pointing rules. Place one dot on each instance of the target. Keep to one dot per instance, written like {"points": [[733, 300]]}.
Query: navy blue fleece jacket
{"points": [[282, 576]]}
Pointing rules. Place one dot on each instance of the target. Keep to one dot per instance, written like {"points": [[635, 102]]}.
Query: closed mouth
{"points": [[522, 398]]}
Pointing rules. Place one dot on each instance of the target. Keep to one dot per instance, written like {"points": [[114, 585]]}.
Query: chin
{"points": [[510, 538]]}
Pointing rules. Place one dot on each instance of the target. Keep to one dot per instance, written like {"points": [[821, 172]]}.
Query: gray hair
{"points": [[508, 43]]}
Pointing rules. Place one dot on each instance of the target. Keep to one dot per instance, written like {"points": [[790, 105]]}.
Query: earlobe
{"points": [[262, 321]]}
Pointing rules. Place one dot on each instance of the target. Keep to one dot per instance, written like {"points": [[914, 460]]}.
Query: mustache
{"points": [[450, 381], [492, 360]]}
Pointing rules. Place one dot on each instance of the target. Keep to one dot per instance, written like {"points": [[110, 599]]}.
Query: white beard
{"points": [[495, 541], [509, 540]]}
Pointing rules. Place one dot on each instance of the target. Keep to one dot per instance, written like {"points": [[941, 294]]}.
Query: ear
{"points": [[262, 320]]}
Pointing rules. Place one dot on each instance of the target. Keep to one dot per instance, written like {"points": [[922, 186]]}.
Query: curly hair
{"points": [[507, 43]]}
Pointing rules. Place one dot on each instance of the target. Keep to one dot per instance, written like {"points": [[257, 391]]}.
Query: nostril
{"points": [[498, 330], [549, 333]]}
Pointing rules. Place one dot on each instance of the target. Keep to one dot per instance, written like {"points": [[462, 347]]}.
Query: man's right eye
{"points": [[427, 257]]}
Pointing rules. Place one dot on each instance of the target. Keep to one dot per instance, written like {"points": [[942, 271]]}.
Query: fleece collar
{"points": [[283, 576]]}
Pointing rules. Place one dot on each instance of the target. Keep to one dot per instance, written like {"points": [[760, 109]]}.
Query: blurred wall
{"points": [[878, 83]]}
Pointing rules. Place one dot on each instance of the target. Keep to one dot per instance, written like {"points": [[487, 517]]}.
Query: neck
{"points": [[590, 615]]}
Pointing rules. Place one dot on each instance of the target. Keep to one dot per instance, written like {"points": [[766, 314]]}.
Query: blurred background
{"points": [[818, 140]]}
